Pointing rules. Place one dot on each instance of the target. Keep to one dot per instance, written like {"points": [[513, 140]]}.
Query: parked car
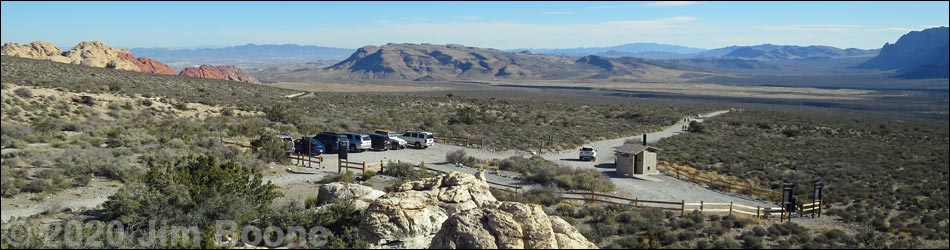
{"points": [[418, 139], [399, 143], [359, 142], [587, 153], [331, 141], [315, 146], [382, 142]]}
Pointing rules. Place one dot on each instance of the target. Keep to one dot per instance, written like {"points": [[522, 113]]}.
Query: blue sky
{"points": [[502, 25]]}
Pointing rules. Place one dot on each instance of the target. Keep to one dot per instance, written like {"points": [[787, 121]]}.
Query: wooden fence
{"points": [[464, 141], [308, 161], [727, 186]]}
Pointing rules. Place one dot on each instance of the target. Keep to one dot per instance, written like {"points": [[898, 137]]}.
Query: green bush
{"points": [[407, 171], [368, 175], [193, 191], [272, 149]]}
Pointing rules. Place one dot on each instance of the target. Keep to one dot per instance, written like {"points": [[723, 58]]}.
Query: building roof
{"points": [[634, 148]]}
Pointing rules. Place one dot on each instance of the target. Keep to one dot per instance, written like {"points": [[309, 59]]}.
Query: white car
{"points": [[587, 153], [394, 137], [418, 139]]}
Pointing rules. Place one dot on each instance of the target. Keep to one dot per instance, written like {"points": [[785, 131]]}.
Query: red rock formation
{"points": [[147, 65], [223, 72]]}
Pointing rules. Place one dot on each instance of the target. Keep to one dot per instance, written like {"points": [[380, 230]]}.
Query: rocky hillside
{"points": [[94, 54], [455, 210], [97, 54], [918, 54], [428, 62], [222, 72]]}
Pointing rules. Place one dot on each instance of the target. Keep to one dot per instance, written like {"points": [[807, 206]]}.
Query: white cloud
{"points": [[557, 13], [671, 3]]}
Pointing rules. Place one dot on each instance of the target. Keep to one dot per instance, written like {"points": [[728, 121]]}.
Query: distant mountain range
{"points": [[632, 49], [918, 54], [425, 62], [764, 52], [245, 56]]}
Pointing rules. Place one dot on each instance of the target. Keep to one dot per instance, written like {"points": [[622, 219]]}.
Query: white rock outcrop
{"points": [[361, 195], [457, 210]]}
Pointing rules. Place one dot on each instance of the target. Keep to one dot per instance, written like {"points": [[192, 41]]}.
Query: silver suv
{"points": [[587, 153], [418, 139], [359, 142]]}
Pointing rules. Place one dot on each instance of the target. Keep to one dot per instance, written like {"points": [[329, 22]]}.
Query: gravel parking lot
{"points": [[666, 189]]}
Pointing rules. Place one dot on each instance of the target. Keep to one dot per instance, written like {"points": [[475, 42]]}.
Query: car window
{"points": [[366, 138], [429, 136], [587, 149]]}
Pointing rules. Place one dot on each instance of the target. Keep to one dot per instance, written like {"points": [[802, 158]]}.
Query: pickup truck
{"points": [[587, 153], [418, 139]]}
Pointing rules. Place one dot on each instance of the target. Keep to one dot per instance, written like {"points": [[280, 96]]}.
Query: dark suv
{"points": [[382, 142], [330, 140], [308, 145]]}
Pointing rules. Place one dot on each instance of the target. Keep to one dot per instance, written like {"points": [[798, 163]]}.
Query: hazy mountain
{"points": [[643, 50], [245, 56], [785, 52], [918, 54], [457, 62]]}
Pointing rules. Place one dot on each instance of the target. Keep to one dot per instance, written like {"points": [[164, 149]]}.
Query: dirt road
{"points": [[667, 189]]}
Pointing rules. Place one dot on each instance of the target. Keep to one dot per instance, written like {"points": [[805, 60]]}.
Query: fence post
{"points": [[636, 202], [682, 207], [320, 164], [382, 166], [363, 169], [592, 197], [701, 206], [757, 214], [819, 208], [730, 208]]}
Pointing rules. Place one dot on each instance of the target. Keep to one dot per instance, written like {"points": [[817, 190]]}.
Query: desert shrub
{"points": [[455, 157], [24, 92], [760, 231], [192, 191], [697, 127], [368, 175], [545, 172], [8, 186], [750, 241], [311, 202], [37, 186], [272, 149], [280, 113], [345, 177], [726, 243], [340, 218], [407, 171]]}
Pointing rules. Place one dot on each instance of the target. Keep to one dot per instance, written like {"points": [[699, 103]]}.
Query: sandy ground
{"points": [[297, 186]]}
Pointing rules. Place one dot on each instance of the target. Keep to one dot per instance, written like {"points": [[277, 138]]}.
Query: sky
{"points": [[500, 25]]}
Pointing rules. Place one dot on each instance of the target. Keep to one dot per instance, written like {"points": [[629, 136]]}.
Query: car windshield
{"points": [[587, 149], [366, 138], [428, 136]]}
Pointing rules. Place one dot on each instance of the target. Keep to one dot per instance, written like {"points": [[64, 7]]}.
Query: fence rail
{"points": [[741, 188]]}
